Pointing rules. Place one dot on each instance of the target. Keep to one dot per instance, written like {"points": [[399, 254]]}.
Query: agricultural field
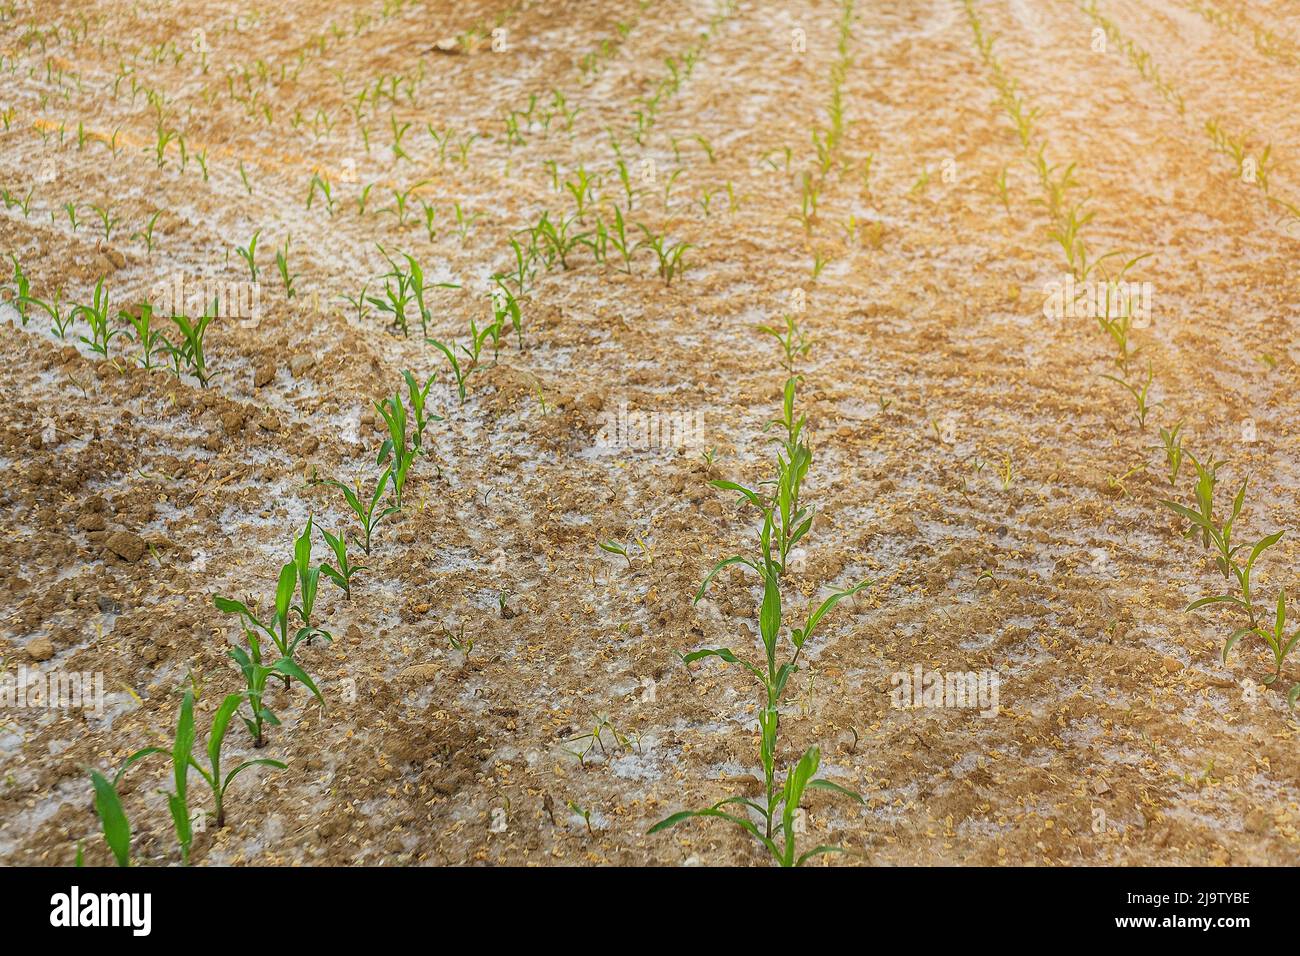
{"points": [[649, 433]]}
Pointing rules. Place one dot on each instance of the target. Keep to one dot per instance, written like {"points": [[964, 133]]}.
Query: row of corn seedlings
{"points": [[1235, 561], [827, 139], [181, 352], [786, 519], [273, 639], [1251, 168], [1237, 22]]}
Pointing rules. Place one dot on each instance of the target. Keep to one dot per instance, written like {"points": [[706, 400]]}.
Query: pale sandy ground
{"points": [[966, 449]]}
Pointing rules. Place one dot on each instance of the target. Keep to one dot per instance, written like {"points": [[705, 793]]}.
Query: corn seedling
{"points": [[505, 305], [54, 309], [344, 572], [363, 198], [670, 256], [464, 221], [555, 243], [584, 814], [459, 372], [1277, 642], [369, 515], [617, 237], [1172, 443], [458, 641], [191, 350], [96, 316], [107, 220], [418, 396], [321, 184], [581, 189], [22, 290], [112, 818], [146, 234], [394, 452], [613, 547], [430, 217], [1000, 181], [794, 342], [282, 264], [1142, 402], [443, 140], [398, 133], [212, 774], [525, 265], [296, 577], [150, 340], [255, 674], [401, 200], [249, 255], [594, 739]]}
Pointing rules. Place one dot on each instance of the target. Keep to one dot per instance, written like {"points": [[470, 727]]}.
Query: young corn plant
{"points": [[794, 342], [1277, 641], [784, 524], [398, 296], [255, 672], [462, 372], [322, 185], [1172, 442], [60, 319], [212, 774], [670, 256], [96, 316], [282, 265], [525, 266], [506, 306], [151, 340], [616, 237], [112, 818], [368, 512], [556, 243], [418, 395], [296, 576], [395, 453], [308, 579], [22, 290], [343, 570], [146, 234], [191, 349], [107, 220], [249, 255], [1141, 400]]}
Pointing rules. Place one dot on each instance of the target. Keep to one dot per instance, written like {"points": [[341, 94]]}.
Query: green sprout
{"points": [[370, 515], [96, 316], [249, 255], [346, 570], [1142, 402], [282, 264]]}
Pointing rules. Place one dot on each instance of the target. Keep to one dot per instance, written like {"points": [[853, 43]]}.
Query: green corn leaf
{"points": [[117, 831]]}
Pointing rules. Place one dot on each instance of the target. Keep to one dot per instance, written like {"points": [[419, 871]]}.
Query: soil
{"points": [[968, 455]]}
